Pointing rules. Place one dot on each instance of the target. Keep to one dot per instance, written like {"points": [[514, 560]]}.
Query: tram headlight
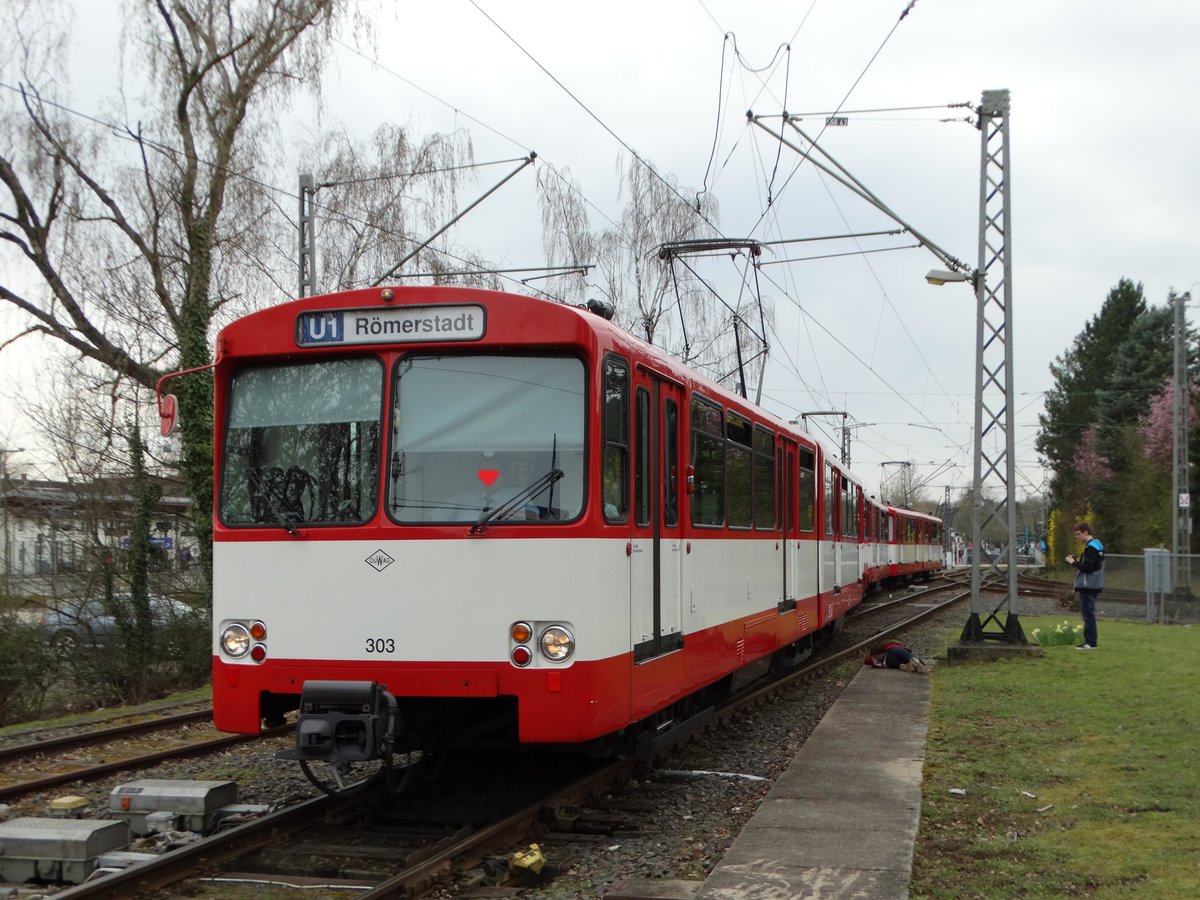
{"points": [[557, 643], [235, 640]]}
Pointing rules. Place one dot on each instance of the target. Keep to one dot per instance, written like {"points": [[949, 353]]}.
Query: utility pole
{"points": [[1181, 540], [994, 393], [846, 435], [308, 253], [995, 456]]}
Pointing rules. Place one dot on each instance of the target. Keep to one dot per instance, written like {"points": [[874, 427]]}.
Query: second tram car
{"points": [[446, 515]]}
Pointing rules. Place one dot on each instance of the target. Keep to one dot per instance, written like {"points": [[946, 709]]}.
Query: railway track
{"points": [[50, 769], [443, 829], [100, 735]]}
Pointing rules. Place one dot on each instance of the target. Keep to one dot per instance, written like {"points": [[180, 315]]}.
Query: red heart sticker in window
{"points": [[488, 476]]}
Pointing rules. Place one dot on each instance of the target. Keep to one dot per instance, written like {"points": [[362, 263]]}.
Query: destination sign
{"points": [[399, 325]]}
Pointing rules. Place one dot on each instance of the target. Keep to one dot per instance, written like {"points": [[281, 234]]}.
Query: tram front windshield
{"points": [[302, 444], [487, 439]]}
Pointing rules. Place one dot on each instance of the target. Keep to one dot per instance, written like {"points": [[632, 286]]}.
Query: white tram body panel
{"points": [[438, 600]]}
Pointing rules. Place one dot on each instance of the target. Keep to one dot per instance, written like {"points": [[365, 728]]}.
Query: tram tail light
{"points": [[258, 630], [522, 656], [521, 632]]}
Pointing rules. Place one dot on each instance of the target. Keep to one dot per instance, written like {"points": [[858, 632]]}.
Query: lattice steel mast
{"points": [[995, 457]]}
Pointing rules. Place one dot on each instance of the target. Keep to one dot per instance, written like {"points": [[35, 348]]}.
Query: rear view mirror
{"points": [[168, 414]]}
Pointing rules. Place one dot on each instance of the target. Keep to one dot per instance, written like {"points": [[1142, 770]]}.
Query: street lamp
{"points": [[944, 276]]}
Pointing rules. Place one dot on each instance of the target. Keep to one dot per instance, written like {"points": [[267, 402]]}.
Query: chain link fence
{"points": [[1167, 586]]}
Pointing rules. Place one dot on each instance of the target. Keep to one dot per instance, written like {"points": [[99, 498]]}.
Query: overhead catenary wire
{"points": [[122, 133], [653, 171], [558, 175], [908, 8]]}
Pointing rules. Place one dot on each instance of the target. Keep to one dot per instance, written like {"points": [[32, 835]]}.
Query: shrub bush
{"points": [[25, 662]]}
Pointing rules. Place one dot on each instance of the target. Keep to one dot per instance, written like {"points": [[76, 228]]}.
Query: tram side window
{"points": [[616, 439], [708, 463], [671, 463], [764, 478], [738, 472], [829, 497], [641, 459], [848, 524], [808, 488], [785, 493]]}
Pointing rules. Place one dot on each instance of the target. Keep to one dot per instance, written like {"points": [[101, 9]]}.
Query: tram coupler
{"points": [[343, 721]]}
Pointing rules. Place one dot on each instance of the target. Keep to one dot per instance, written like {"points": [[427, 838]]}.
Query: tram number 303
{"points": [[381, 645]]}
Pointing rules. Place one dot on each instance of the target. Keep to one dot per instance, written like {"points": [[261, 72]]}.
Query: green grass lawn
{"points": [[1081, 771]]}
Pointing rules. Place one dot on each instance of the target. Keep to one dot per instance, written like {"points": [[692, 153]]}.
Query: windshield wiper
{"points": [[517, 500], [282, 519]]}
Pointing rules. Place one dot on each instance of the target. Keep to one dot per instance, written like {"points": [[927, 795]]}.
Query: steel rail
{"points": [[135, 762], [851, 652], [177, 864], [463, 853], [469, 850], [459, 851], [83, 739]]}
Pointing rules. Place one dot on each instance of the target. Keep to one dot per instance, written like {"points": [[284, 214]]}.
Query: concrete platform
{"points": [[984, 651], [841, 822]]}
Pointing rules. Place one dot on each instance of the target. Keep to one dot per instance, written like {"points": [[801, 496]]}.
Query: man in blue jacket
{"points": [[1089, 581]]}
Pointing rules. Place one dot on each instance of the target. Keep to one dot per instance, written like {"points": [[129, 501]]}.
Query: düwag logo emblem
{"points": [[379, 560]]}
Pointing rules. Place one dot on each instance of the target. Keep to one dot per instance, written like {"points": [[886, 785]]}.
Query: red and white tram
{"points": [[914, 542], [445, 513]]}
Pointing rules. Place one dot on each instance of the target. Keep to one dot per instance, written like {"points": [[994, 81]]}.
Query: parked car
{"points": [[71, 623]]}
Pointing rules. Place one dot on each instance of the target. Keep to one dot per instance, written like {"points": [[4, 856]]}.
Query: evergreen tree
{"points": [[1107, 427], [1144, 361], [1081, 374]]}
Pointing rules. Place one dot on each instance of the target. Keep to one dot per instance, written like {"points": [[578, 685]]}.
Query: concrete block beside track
{"points": [[842, 821]]}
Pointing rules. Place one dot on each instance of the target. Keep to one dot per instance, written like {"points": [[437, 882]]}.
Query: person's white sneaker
{"points": [[1085, 647]]}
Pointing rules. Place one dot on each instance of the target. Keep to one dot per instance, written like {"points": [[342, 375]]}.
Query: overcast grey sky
{"points": [[1103, 134]]}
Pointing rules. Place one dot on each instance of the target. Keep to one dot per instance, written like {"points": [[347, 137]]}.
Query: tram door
{"points": [[656, 597], [830, 529]]}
